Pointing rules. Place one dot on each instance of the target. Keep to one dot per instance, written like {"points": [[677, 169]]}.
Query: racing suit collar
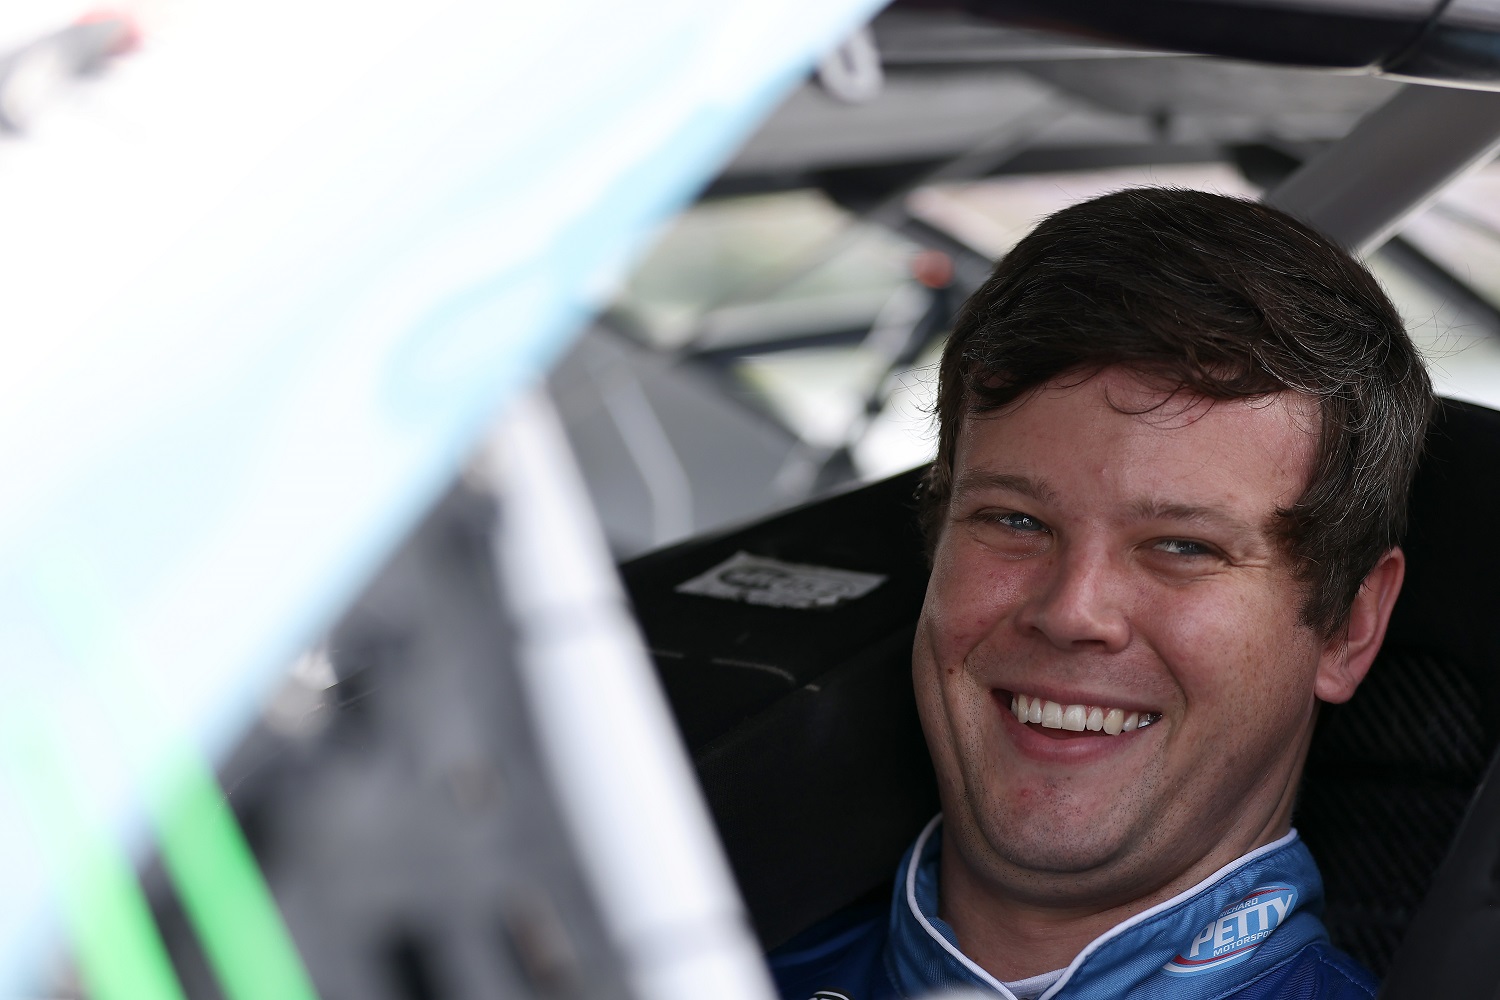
{"points": [[1239, 922]]}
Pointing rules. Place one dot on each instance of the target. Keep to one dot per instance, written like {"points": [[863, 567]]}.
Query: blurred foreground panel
{"points": [[267, 281]]}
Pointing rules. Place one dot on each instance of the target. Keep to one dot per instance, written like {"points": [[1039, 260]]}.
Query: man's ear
{"points": [[1348, 655]]}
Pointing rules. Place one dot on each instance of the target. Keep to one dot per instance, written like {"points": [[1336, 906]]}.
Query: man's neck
{"points": [[1009, 939], [1013, 939]]}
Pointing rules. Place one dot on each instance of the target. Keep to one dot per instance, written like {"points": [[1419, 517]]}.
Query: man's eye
{"points": [[1018, 522], [1183, 547]]}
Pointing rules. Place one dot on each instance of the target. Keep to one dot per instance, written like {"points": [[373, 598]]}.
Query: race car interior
{"points": [[710, 465], [801, 720], [804, 729]]}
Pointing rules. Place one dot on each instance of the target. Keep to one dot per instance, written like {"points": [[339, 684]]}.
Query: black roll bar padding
{"points": [[1431, 41], [1452, 947], [1346, 36]]}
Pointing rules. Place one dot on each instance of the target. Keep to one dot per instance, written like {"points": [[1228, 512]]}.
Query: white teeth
{"points": [[1078, 718]]}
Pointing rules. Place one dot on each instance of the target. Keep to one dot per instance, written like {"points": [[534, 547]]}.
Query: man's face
{"points": [[1098, 556]]}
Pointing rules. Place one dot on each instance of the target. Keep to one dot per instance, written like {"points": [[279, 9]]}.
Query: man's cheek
{"points": [[939, 726], [965, 605], [945, 695], [1231, 653], [939, 637], [926, 678]]}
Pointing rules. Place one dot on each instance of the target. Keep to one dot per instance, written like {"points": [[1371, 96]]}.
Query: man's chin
{"points": [[1070, 842], [1058, 854], [1073, 860]]}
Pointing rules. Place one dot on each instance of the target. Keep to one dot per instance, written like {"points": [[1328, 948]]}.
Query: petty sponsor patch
{"points": [[1235, 933], [758, 580]]}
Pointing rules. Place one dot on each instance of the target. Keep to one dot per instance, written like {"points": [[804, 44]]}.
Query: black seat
{"points": [[1391, 773], [801, 722], [804, 730]]}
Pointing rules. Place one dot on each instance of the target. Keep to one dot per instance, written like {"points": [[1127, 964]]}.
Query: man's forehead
{"points": [[1159, 402], [1162, 396], [1175, 452]]}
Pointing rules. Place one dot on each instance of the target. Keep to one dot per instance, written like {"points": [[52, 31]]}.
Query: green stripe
{"points": [[224, 893], [119, 951], [202, 847]]}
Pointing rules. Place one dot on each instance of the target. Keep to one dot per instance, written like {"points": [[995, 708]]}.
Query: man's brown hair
{"points": [[1221, 297]]}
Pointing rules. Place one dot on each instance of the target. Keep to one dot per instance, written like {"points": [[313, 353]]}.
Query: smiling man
{"points": [[1177, 433]]}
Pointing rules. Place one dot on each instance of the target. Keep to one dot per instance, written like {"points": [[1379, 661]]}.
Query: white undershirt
{"points": [[1030, 989]]}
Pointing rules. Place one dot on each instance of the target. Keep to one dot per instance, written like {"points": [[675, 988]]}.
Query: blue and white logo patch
{"points": [[1236, 932]]}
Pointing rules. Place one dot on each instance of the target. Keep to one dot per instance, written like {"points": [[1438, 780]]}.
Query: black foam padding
{"points": [[804, 729], [1388, 779], [819, 797], [723, 661], [1390, 774], [1448, 605], [801, 722], [1330, 35]]}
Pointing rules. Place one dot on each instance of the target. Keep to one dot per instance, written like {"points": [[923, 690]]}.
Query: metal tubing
{"points": [[623, 781], [1393, 164]]}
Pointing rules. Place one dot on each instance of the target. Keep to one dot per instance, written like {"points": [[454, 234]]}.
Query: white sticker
{"points": [[758, 580]]}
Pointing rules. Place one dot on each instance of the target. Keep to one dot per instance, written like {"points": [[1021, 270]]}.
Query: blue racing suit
{"points": [[1250, 931]]}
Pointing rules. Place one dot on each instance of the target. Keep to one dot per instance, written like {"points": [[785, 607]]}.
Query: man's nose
{"points": [[1079, 603]]}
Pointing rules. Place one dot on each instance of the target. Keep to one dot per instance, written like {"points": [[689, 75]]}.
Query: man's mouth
{"points": [[1032, 710]]}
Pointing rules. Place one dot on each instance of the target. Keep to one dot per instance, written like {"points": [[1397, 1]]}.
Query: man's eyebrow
{"points": [[1151, 509], [975, 481]]}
